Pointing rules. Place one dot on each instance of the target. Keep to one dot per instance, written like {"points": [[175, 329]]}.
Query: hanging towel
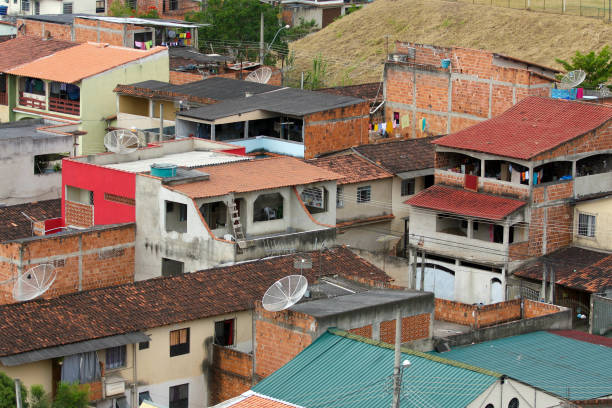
{"points": [[389, 127], [423, 124], [376, 127], [188, 35], [138, 44], [471, 182], [515, 177], [149, 44], [491, 233], [405, 121]]}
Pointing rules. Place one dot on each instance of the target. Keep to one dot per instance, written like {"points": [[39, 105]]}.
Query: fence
{"points": [[586, 8], [601, 315]]}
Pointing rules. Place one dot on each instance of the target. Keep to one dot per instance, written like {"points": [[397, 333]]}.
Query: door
{"points": [[497, 293]]}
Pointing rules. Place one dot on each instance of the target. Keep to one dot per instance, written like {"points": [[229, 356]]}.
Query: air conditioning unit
{"points": [[114, 386]]}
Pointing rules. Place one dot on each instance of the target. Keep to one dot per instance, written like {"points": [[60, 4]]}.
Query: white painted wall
{"points": [[500, 395]]}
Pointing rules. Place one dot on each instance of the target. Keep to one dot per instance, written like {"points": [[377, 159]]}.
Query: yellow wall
{"points": [[169, 110], [31, 374], [4, 113], [134, 105], [602, 210]]}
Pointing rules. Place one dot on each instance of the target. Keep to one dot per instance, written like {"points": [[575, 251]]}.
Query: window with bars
{"points": [[586, 225], [179, 396], [100, 6], [115, 357], [364, 194], [67, 8], [179, 342], [408, 187], [339, 197], [224, 332], [25, 5], [173, 4]]}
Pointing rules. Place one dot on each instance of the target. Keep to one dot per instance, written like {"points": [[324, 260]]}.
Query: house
{"points": [[532, 362], [323, 12], [166, 8], [157, 339], [433, 90], [60, 87], [38, 7], [591, 218], [33, 151], [343, 369], [216, 214], [504, 193]]}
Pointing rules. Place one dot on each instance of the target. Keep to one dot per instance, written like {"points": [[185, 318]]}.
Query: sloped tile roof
{"points": [[13, 225], [353, 168], [142, 305], [463, 202], [255, 175], [532, 126], [260, 401], [400, 156], [82, 61], [24, 49]]}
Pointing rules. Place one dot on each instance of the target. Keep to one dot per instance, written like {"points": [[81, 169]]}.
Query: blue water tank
{"points": [[163, 170], [445, 63], [3, 10]]}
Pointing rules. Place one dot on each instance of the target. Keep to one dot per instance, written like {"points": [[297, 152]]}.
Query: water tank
{"points": [[163, 170], [3, 10]]}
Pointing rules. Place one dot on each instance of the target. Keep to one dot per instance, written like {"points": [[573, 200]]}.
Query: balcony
{"points": [[270, 145], [593, 184], [65, 106], [284, 243], [32, 100]]}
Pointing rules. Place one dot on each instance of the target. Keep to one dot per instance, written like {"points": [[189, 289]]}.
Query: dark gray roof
{"points": [[53, 18], [193, 54], [400, 156], [27, 129], [288, 101]]}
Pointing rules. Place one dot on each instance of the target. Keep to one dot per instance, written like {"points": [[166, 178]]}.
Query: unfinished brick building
{"points": [[432, 90]]}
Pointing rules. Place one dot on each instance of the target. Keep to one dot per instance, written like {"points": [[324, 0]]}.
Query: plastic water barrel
{"points": [[163, 170], [3, 10], [445, 63]]}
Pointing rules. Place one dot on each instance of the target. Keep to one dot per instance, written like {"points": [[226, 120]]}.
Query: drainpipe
{"points": [[134, 378], [161, 120]]}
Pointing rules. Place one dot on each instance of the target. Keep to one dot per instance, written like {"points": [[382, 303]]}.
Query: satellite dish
{"points": [[34, 282], [261, 75], [284, 293], [572, 79], [121, 141]]}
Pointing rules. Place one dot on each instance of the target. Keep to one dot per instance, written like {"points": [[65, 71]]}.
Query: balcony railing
{"points": [[65, 106], [32, 100], [3, 98]]}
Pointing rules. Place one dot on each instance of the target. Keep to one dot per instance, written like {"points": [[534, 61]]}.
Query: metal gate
{"points": [[601, 315]]}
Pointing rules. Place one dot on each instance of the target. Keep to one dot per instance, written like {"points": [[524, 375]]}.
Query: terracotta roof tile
{"points": [[13, 225], [530, 127], [400, 156], [463, 202], [254, 175], [353, 168], [594, 278], [24, 49], [256, 401], [82, 61], [159, 302]]}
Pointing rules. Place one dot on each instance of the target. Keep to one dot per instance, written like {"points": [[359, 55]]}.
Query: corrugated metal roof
{"points": [[344, 370], [563, 366], [185, 159]]}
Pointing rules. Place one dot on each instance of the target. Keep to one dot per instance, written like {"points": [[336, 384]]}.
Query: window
{"points": [[490, 406], [115, 357], [586, 225], [215, 214], [514, 403], [37, 8], [100, 6], [131, 3], [79, 195], [339, 197], [315, 199], [67, 8], [171, 267], [176, 217], [143, 345], [173, 4], [144, 396], [25, 5], [224, 332], [179, 396], [49, 163], [364, 194], [408, 187], [179, 342], [268, 207]]}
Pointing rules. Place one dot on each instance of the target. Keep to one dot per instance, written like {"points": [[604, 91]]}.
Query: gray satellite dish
{"points": [[260, 75], [34, 282], [121, 141], [572, 79], [284, 293]]}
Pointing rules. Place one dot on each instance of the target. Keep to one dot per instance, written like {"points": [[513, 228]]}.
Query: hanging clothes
{"points": [[389, 127], [405, 121]]}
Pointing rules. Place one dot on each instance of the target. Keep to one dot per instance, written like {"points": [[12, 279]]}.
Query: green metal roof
{"points": [[344, 370], [569, 368]]}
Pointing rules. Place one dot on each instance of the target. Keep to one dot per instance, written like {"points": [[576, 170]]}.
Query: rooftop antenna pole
{"points": [[18, 392], [397, 373], [261, 38]]}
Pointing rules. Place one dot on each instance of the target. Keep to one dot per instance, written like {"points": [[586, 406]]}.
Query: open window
{"points": [[3, 89], [115, 357], [179, 342], [224, 332], [176, 216], [408, 187], [49, 163], [171, 267], [79, 195], [179, 396], [215, 214], [315, 199], [268, 207]]}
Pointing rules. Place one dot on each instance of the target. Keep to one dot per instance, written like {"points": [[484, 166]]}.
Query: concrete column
{"points": [[530, 176], [470, 229], [482, 167], [414, 268], [151, 107], [423, 260], [506, 234], [246, 129], [573, 169], [212, 131]]}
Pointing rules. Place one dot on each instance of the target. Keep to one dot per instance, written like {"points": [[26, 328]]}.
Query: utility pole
{"points": [[261, 39], [18, 392], [397, 380]]}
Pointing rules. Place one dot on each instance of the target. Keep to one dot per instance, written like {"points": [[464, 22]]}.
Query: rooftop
{"points": [[353, 168], [576, 268], [372, 92], [464, 202], [274, 172], [68, 19], [186, 159], [67, 65], [532, 126], [251, 399], [29, 128], [14, 225], [24, 49], [132, 307], [344, 370], [192, 54], [402, 155], [557, 364]]}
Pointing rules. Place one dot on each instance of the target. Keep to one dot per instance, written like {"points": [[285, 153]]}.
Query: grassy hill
{"points": [[354, 46]]}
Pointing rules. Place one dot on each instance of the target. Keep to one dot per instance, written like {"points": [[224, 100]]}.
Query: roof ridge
{"points": [[378, 343]]}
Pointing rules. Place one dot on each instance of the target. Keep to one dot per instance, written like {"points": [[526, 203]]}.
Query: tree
{"points": [[39, 398], [120, 8], [7, 393], [71, 396], [598, 67], [315, 78]]}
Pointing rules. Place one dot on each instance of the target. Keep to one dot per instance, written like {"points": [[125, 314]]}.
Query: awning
{"points": [[74, 348]]}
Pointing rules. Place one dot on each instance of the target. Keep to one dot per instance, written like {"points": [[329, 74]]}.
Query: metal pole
{"points": [[609, 10], [261, 39], [161, 120], [397, 381], [544, 276], [302, 81], [422, 271], [414, 269], [18, 392]]}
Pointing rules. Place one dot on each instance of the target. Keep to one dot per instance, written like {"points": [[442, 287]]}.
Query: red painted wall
{"points": [[101, 180], [54, 225]]}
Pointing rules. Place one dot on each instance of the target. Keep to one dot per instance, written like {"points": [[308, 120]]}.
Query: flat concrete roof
{"points": [[186, 159], [358, 301]]}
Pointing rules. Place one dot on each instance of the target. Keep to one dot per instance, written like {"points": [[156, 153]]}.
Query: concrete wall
{"points": [[602, 210], [31, 374], [379, 204], [593, 184]]}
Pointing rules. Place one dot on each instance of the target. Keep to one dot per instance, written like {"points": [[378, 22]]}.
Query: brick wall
{"points": [[79, 215], [365, 331], [231, 374], [477, 316], [535, 309], [90, 259], [518, 251], [413, 328], [179, 78], [38, 28], [551, 225]]}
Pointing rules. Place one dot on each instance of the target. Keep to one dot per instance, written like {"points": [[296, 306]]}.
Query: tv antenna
{"points": [[604, 91], [284, 293], [34, 282], [121, 141], [572, 79], [260, 75]]}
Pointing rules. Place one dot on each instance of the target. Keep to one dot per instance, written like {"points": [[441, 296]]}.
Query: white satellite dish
{"points": [[34, 282], [572, 79], [284, 293], [261, 75], [121, 141]]}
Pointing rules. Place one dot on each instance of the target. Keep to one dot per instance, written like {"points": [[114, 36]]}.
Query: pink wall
{"points": [[101, 180]]}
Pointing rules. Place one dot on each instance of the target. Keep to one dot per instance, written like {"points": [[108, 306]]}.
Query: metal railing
{"points": [[25, 100]]}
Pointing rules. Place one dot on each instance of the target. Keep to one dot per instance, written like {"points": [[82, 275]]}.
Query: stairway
{"points": [[235, 220]]}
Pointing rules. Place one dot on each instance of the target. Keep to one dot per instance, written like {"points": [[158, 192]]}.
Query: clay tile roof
{"points": [[401, 155], [24, 49], [142, 305], [82, 61], [13, 225], [530, 127], [575, 268], [254, 175], [463, 202], [353, 168], [257, 401]]}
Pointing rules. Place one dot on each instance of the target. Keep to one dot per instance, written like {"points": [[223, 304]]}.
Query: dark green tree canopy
{"points": [[598, 67], [7, 393]]}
